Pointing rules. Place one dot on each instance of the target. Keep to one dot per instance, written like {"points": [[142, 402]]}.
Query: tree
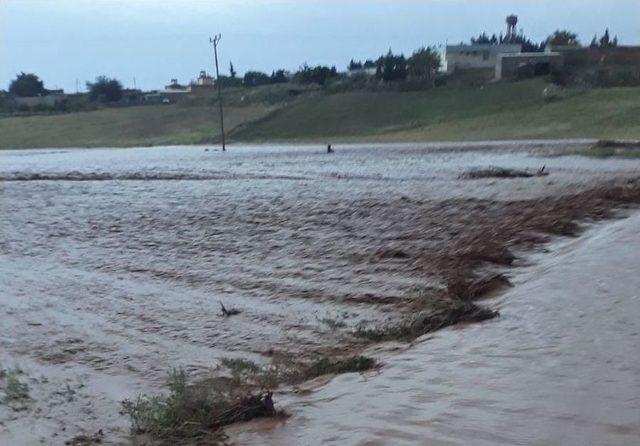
{"points": [[392, 67], [105, 89], [355, 65], [279, 77], [255, 78], [26, 84], [424, 63], [232, 71], [315, 75], [484, 39], [563, 38], [605, 40]]}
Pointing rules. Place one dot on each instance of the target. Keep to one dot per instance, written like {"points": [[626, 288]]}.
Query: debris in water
{"points": [[228, 312], [502, 172]]}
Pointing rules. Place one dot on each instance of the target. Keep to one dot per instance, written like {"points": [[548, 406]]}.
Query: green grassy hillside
{"points": [[500, 111], [131, 126]]}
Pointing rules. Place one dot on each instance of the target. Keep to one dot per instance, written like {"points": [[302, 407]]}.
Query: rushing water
{"points": [[113, 264], [561, 366]]}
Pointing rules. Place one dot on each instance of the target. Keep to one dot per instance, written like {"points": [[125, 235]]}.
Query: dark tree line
{"points": [[256, 78], [605, 41], [528, 46], [422, 64], [319, 74], [557, 38]]}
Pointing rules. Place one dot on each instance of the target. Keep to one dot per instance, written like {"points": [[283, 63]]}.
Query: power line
{"points": [[215, 41]]}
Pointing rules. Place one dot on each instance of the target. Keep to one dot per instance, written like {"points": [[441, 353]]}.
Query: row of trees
{"points": [[605, 41], [421, 65], [256, 78], [528, 46], [103, 89], [558, 38]]}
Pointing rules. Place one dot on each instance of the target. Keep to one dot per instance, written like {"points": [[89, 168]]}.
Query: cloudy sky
{"points": [[64, 41]]}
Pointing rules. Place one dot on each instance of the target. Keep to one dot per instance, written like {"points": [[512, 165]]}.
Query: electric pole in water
{"points": [[215, 41]]}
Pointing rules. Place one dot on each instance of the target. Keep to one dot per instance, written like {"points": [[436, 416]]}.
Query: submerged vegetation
{"points": [[15, 390], [605, 148], [501, 172], [192, 409], [434, 316], [240, 390]]}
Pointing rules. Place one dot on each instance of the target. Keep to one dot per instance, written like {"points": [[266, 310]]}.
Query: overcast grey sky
{"points": [[155, 40]]}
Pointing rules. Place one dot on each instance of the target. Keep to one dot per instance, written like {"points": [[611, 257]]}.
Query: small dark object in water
{"points": [[228, 312], [206, 149], [329, 149]]}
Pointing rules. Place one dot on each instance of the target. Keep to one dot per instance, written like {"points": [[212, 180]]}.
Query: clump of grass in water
{"points": [[280, 372], [14, 389], [333, 324], [437, 315], [202, 408], [605, 148], [326, 366], [195, 409]]}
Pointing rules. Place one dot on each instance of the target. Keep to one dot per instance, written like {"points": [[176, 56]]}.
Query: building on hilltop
{"points": [[476, 56], [204, 80], [512, 66], [175, 87]]}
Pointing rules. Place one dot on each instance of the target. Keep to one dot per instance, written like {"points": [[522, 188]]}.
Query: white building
{"points": [[365, 71], [204, 80], [465, 57]]}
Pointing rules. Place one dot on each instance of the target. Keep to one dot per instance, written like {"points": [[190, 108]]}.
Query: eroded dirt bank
{"points": [[111, 281]]}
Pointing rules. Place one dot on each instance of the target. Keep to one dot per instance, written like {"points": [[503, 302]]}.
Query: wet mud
{"points": [[115, 262]]}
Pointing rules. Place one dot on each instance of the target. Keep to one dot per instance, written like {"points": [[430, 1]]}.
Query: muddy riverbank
{"points": [[115, 262]]}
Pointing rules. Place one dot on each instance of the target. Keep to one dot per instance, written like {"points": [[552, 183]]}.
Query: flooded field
{"points": [[560, 366], [115, 262]]}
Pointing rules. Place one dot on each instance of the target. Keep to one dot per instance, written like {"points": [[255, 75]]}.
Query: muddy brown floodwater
{"points": [[114, 264]]}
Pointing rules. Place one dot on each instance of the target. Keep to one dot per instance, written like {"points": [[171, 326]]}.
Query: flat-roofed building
{"points": [[476, 56]]}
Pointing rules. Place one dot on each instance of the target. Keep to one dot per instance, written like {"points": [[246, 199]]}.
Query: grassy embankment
{"points": [[500, 111]]}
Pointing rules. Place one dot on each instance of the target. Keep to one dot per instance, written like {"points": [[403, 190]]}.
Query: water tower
{"points": [[512, 21]]}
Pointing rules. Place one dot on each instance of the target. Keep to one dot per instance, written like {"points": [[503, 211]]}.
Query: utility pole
{"points": [[215, 41]]}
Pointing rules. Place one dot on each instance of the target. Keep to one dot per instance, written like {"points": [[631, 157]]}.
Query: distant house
{"points": [[204, 80], [175, 87], [576, 57], [510, 66], [364, 71], [53, 98], [476, 56]]}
